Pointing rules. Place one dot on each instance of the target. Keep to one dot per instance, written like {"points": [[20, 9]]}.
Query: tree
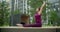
{"points": [[52, 14], [4, 13]]}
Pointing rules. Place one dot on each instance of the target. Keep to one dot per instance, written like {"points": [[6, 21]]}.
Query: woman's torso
{"points": [[38, 18]]}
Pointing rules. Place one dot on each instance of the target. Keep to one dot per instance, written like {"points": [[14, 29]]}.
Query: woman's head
{"points": [[38, 9]]}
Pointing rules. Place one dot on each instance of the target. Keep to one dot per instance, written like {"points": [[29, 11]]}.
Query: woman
{"points": [[37, 17]]}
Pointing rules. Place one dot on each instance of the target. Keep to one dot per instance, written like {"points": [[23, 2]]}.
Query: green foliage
{"points": [[16, 12], [52, 15], [4, 13], [35, 3]]}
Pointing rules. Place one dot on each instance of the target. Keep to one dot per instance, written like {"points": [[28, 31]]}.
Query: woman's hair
{"points": [[38, 9]]}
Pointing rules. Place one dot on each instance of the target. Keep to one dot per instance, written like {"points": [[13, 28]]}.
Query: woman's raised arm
{"points": [[41, 8]]}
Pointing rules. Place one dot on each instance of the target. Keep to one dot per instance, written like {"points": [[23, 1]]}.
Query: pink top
{"points": [[38, 18]]}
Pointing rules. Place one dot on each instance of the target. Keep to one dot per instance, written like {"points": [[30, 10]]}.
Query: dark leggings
{"points": [[33, 25]]}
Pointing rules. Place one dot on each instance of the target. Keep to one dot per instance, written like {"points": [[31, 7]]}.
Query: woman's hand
{"points": [[41, 8]]}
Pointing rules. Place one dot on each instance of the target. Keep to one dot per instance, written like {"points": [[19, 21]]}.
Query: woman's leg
{"points": [[33, 25]]}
